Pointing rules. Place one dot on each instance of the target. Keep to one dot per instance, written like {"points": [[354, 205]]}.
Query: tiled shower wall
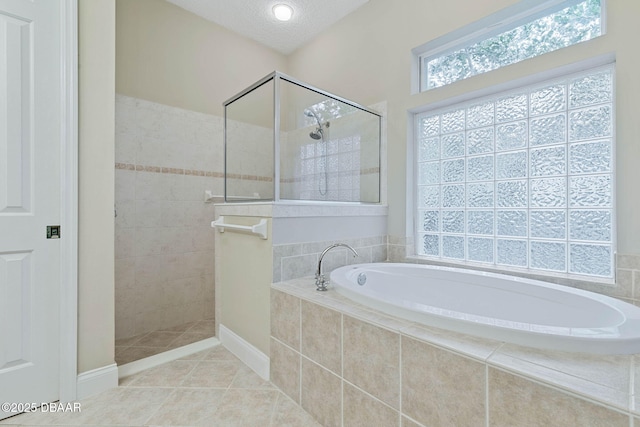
{"points": [[352, 157], [165, 160]]}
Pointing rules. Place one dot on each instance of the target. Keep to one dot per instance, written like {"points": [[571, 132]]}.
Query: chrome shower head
{"points": [[316, 135], [310, 113]]}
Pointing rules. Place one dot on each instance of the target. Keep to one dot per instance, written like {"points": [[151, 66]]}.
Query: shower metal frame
{"points": [[277, 76]]}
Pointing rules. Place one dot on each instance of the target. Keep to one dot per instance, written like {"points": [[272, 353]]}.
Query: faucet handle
{"points": [[321, 282]]}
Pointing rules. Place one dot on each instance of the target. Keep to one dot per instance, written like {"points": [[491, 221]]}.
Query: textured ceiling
{"points": [[254, 19]]}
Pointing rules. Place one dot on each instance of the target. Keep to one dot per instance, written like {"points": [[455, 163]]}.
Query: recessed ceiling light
{"points": [[282, 12]]}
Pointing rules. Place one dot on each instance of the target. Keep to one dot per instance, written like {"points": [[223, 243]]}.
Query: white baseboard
{"points": [[247, 353], [96, 381], [168, 356]]}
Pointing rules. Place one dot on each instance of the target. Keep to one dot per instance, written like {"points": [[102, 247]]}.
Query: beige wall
{"points": [[243, 279], [367, 57], [96, 91], [166, 55], [170, 56]]}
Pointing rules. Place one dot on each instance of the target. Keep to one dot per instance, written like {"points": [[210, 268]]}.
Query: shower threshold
{"points": [[152, 343]]}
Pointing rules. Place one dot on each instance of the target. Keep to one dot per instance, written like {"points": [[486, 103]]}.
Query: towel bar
{"points": [[259, 229]]}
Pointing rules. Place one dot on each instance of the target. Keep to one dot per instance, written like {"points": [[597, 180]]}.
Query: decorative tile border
{"points": [[249, 177], [125, 166], [191, 172], [370, 171]]}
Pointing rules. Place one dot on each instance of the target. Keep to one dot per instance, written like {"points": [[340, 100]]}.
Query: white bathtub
{"points": [[495, 306]]}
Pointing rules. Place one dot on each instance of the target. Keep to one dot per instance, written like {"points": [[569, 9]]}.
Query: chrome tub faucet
{"points": [[321, 282]]}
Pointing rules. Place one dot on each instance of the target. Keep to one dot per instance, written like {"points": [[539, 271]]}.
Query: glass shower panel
{"points": [[288, 141], [329, 149], [249, 148]]}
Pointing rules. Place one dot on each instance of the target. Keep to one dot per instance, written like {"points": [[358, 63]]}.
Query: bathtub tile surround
{"points": [[636, 384], [291, 261], [478, 348], [166, 158], [448, 378], [301, 231], [441, 388], [495, 306], [360, 409], [400, 248], [321, 393], [626, 286], [628, 262], [611, 373], [365, 366], [320, 336], [515, 401], [285, 369], [629, 265], [296, 266], [286, 327], [406, 422]]}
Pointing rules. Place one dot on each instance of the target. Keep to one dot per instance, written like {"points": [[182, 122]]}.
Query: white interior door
{"points": [[31, 119]]}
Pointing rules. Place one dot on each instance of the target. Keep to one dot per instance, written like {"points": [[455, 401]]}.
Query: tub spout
{"points": [[321, 282]]}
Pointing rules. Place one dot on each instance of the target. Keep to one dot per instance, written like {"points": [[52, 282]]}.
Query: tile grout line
{"points": [[560, 389], [632, 385], [173, 388], [274, 410], [487, 366], [400, 376], [299, 350], [371, 396], [486, 394], [161, 405], [342, 381]]}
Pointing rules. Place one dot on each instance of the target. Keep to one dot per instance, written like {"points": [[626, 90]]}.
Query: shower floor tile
{"points": [[152, 343], [209, 388]]}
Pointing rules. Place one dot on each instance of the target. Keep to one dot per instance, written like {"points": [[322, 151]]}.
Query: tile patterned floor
{"points": [[210, 388], [151, 343]]}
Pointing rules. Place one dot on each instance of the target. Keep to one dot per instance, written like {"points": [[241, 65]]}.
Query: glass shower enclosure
{"points": [[288, 141]]}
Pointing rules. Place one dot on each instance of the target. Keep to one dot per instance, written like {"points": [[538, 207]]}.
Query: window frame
{"points": [[492, 25], [499, 91]]}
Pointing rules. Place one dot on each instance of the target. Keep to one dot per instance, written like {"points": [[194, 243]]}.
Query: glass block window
{"points": [[521, 179], [541, 29]]}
